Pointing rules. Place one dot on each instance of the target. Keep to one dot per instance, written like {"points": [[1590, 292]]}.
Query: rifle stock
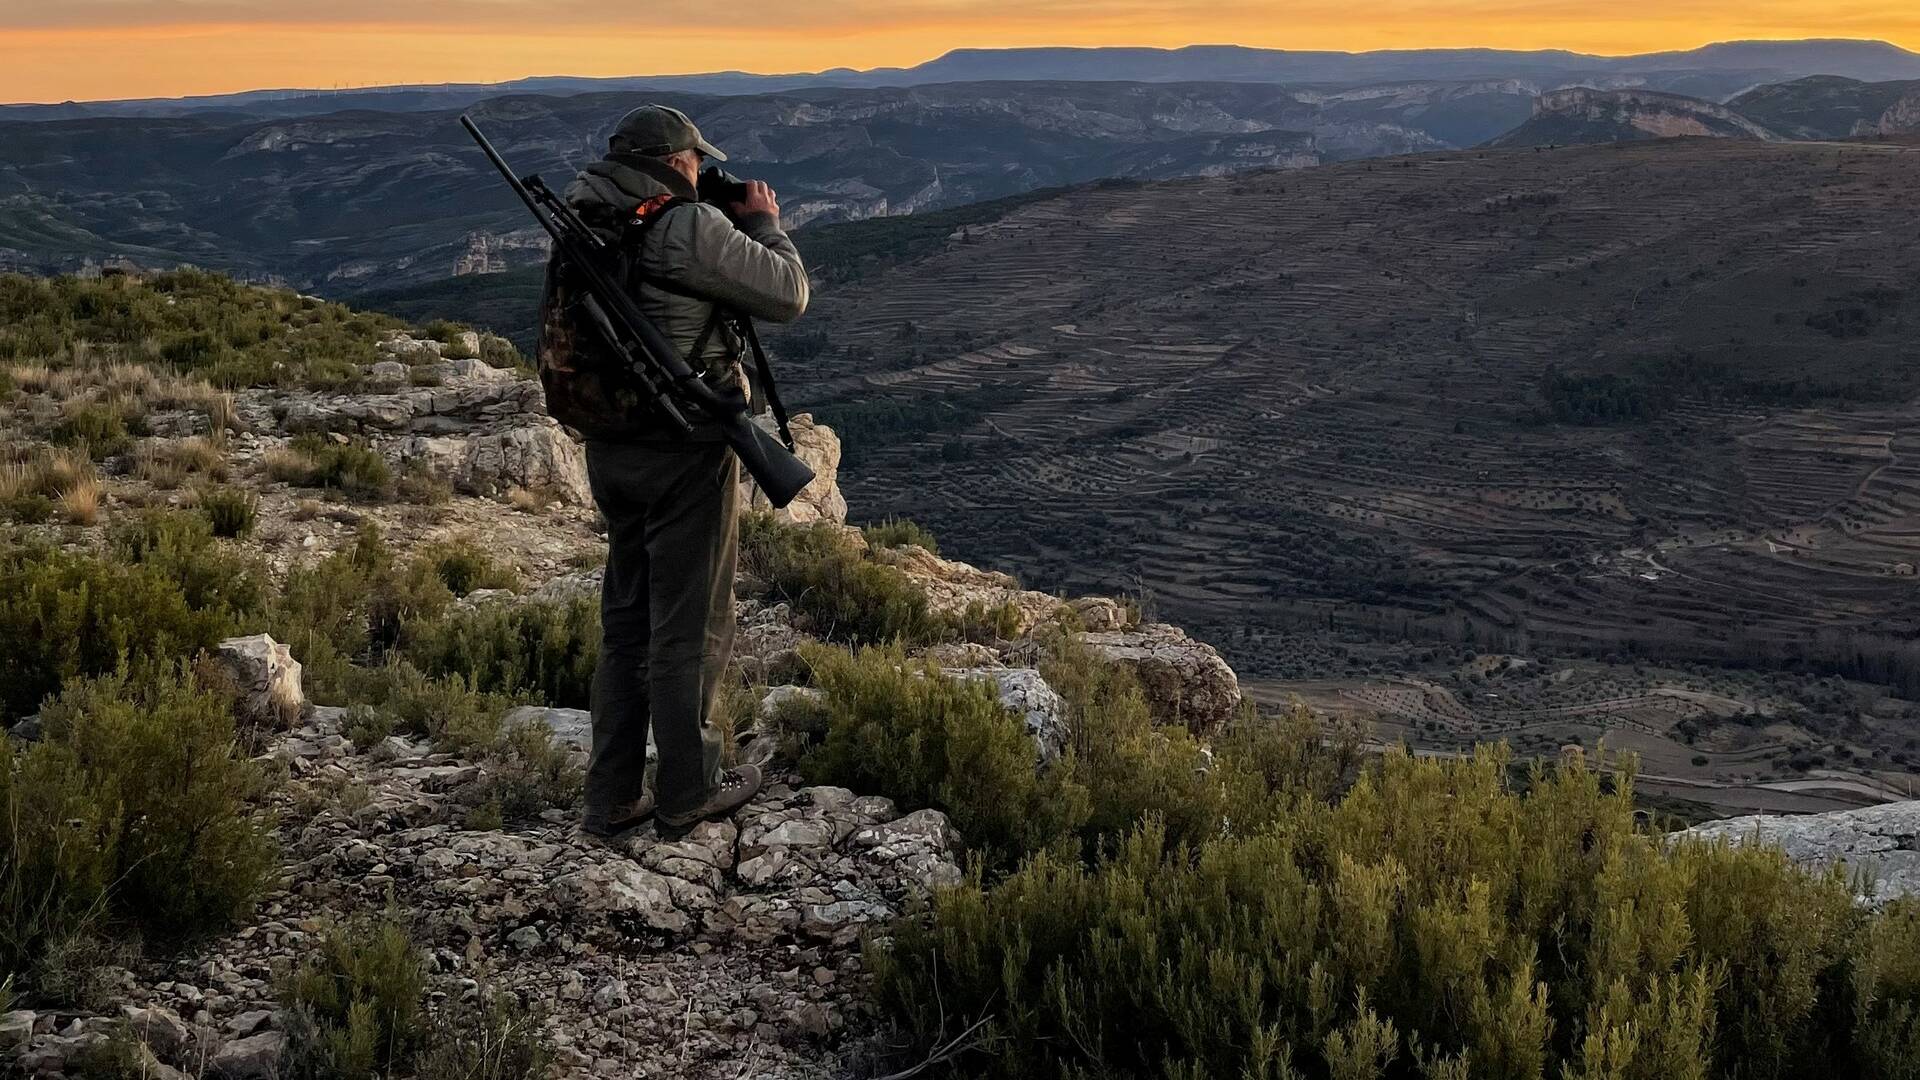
{"points": [[656, 365]]}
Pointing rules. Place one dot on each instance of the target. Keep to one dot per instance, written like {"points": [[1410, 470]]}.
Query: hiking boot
{"points": [[619, 819], [738, 786]]}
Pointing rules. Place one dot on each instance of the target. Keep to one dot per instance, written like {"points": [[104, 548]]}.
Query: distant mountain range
{"points": [[326, 192], [1714, 71], [363, 199], [1819, 107]]}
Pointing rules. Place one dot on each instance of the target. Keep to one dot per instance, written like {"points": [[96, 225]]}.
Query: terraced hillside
{"points": [[1646, 399]]}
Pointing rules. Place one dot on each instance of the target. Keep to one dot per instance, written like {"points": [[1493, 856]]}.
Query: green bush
{"points": [[314, 460], [897, 532], [64, 615], [101, 428], [135, 810], [901, 729], [351, 607], [543, 650], [354, 1004], [464, 567], [489, 1036], [181, 547], [230, 511], [1433, 922], [843, 595], [526, 772]]}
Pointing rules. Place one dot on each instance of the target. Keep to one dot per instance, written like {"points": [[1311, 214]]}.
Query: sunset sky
{"points": [[53, 50]]}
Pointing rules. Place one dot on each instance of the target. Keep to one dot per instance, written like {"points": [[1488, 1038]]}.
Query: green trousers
{"points": [[666, 614]]}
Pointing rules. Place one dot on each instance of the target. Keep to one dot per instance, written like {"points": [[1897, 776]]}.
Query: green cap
{"points": [[656, 131]]}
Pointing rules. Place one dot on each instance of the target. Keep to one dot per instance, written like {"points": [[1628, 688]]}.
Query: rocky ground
{"points": [[734, 952]]}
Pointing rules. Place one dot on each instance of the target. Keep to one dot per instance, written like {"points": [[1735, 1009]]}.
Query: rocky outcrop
{"points": [[1881, 844], [1582, 115], [955, 588], [266, 676], [1186, 681], [818, 446], [483, 429]]}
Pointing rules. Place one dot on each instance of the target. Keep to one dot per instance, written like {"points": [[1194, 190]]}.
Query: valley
{"points": [[1641, 401]]}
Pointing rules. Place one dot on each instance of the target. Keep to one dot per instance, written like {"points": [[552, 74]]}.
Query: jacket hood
{"points": [[624, 180]]}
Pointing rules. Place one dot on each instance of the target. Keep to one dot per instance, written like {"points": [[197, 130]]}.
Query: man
{"points": [[671, 502]]}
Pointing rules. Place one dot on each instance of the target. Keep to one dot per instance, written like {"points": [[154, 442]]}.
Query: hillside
{"points": [[1652, 398], [1829, 107], [1582, 116]]}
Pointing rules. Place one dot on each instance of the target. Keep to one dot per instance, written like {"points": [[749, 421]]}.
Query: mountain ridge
{"points": [[1722, 64]]}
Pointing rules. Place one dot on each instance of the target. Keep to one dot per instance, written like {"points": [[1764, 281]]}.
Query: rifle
{"points": [[656, 366]]}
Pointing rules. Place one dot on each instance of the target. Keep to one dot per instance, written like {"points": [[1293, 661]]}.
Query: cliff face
{"points": [[1582, 115]]}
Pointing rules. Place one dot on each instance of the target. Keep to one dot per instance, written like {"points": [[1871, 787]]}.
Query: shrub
{"points": [[314, 460], [543, 650], [65, 615], [103, 430], [350, 607], [490, 1036], [842, 594], [526, 773], [230, 511], [181, 547], [354, 1004], [898, 532], [901, 729], [79, 502], [463, 567], [1434, 914], [135, 809]]}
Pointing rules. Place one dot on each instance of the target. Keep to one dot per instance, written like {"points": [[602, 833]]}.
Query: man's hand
{"points": [[760, 200]]}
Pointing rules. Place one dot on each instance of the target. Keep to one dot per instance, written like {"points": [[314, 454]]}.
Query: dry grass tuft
{"points": [[80, 502], [527, 502]]}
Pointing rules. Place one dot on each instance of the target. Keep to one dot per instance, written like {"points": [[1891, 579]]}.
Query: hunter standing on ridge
{"points": [[671, 502]]}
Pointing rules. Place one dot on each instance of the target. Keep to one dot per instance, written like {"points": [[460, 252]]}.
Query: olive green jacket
{"points": [[751, 268]]}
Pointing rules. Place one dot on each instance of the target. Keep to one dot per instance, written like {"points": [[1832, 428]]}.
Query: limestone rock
{"points": [[799, 709], [955, 588], [389, 373], [1027, 695], [256, 1057], [1186, 681], [158, 1028], [1881, 842], [537, 455], [818, 446], [267, 676], [16, 1028]]}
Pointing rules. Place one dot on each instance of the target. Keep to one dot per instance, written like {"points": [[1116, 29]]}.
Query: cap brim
{"points": [[709, 149]]}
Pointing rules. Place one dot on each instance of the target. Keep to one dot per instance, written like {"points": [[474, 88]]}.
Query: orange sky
{"points": [[52, 50]]}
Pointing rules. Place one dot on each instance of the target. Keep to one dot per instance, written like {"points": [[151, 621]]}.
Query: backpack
{"points": [[589, 389]]}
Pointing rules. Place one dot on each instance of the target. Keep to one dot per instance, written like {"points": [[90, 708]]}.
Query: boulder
{"points": [[16, 1029], [256, 1057], [1882, 843], [536, 455], [159, 1029], [818, 446], [1028, 696], [389, 373], [1186, 681], [267, 676]]}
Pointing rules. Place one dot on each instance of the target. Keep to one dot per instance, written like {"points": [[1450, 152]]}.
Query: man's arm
{"points": [[754, 268]]}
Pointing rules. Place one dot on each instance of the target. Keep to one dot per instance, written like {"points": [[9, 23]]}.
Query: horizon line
{"points": [[319, 91]]}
